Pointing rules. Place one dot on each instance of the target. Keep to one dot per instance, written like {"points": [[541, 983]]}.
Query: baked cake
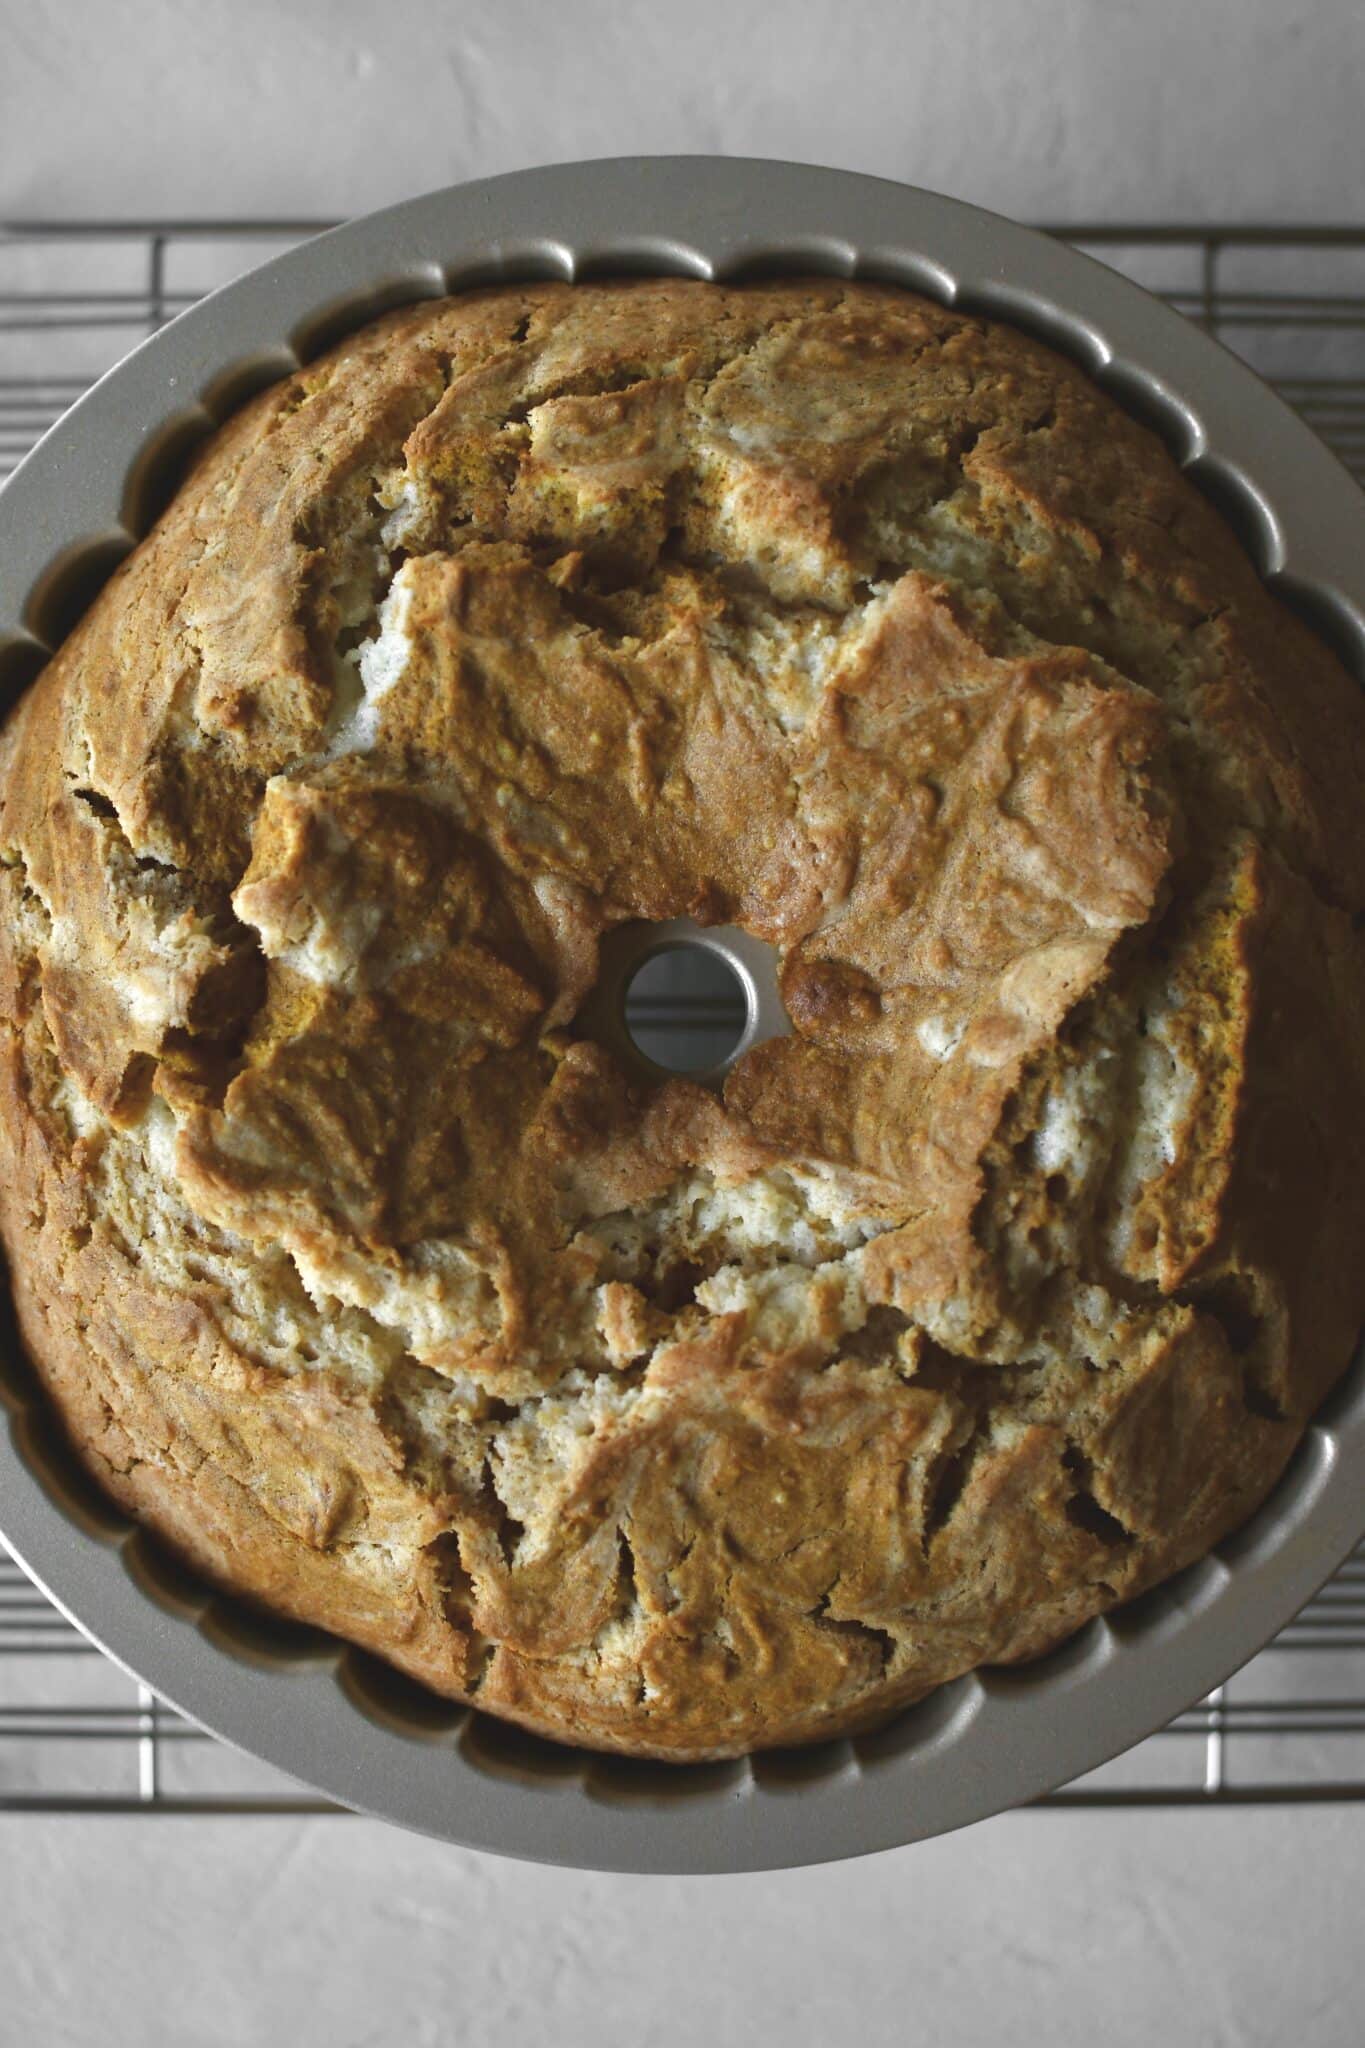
{"points": [[658, 1418]]}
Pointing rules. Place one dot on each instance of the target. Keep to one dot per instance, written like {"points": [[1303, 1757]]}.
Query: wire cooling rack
{"points": [[78, 1735]]}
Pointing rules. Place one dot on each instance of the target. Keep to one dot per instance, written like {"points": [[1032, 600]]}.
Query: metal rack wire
{"points": [[78, 1735]]}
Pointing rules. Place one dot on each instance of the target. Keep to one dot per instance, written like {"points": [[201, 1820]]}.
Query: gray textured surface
{"points": [[1217, 1931], [1060, 107]]}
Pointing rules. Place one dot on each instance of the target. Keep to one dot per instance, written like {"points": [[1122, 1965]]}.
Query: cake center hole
{"points": [[687, 1008]]}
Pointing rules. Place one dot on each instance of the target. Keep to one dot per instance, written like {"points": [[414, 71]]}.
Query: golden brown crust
{"points": [[659, 1421]]}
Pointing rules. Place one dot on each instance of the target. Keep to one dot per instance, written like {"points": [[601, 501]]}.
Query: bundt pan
{"points": [[330, 1715]]}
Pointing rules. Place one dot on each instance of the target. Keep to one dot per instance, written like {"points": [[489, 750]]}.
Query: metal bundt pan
{"points": [[332, 1716]]}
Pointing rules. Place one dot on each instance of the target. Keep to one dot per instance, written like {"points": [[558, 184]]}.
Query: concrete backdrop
{"points": [[1224, 1930], [1093, 108]]}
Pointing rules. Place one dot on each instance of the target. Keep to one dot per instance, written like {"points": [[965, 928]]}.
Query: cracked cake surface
{"points": [[658, 1419]]}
